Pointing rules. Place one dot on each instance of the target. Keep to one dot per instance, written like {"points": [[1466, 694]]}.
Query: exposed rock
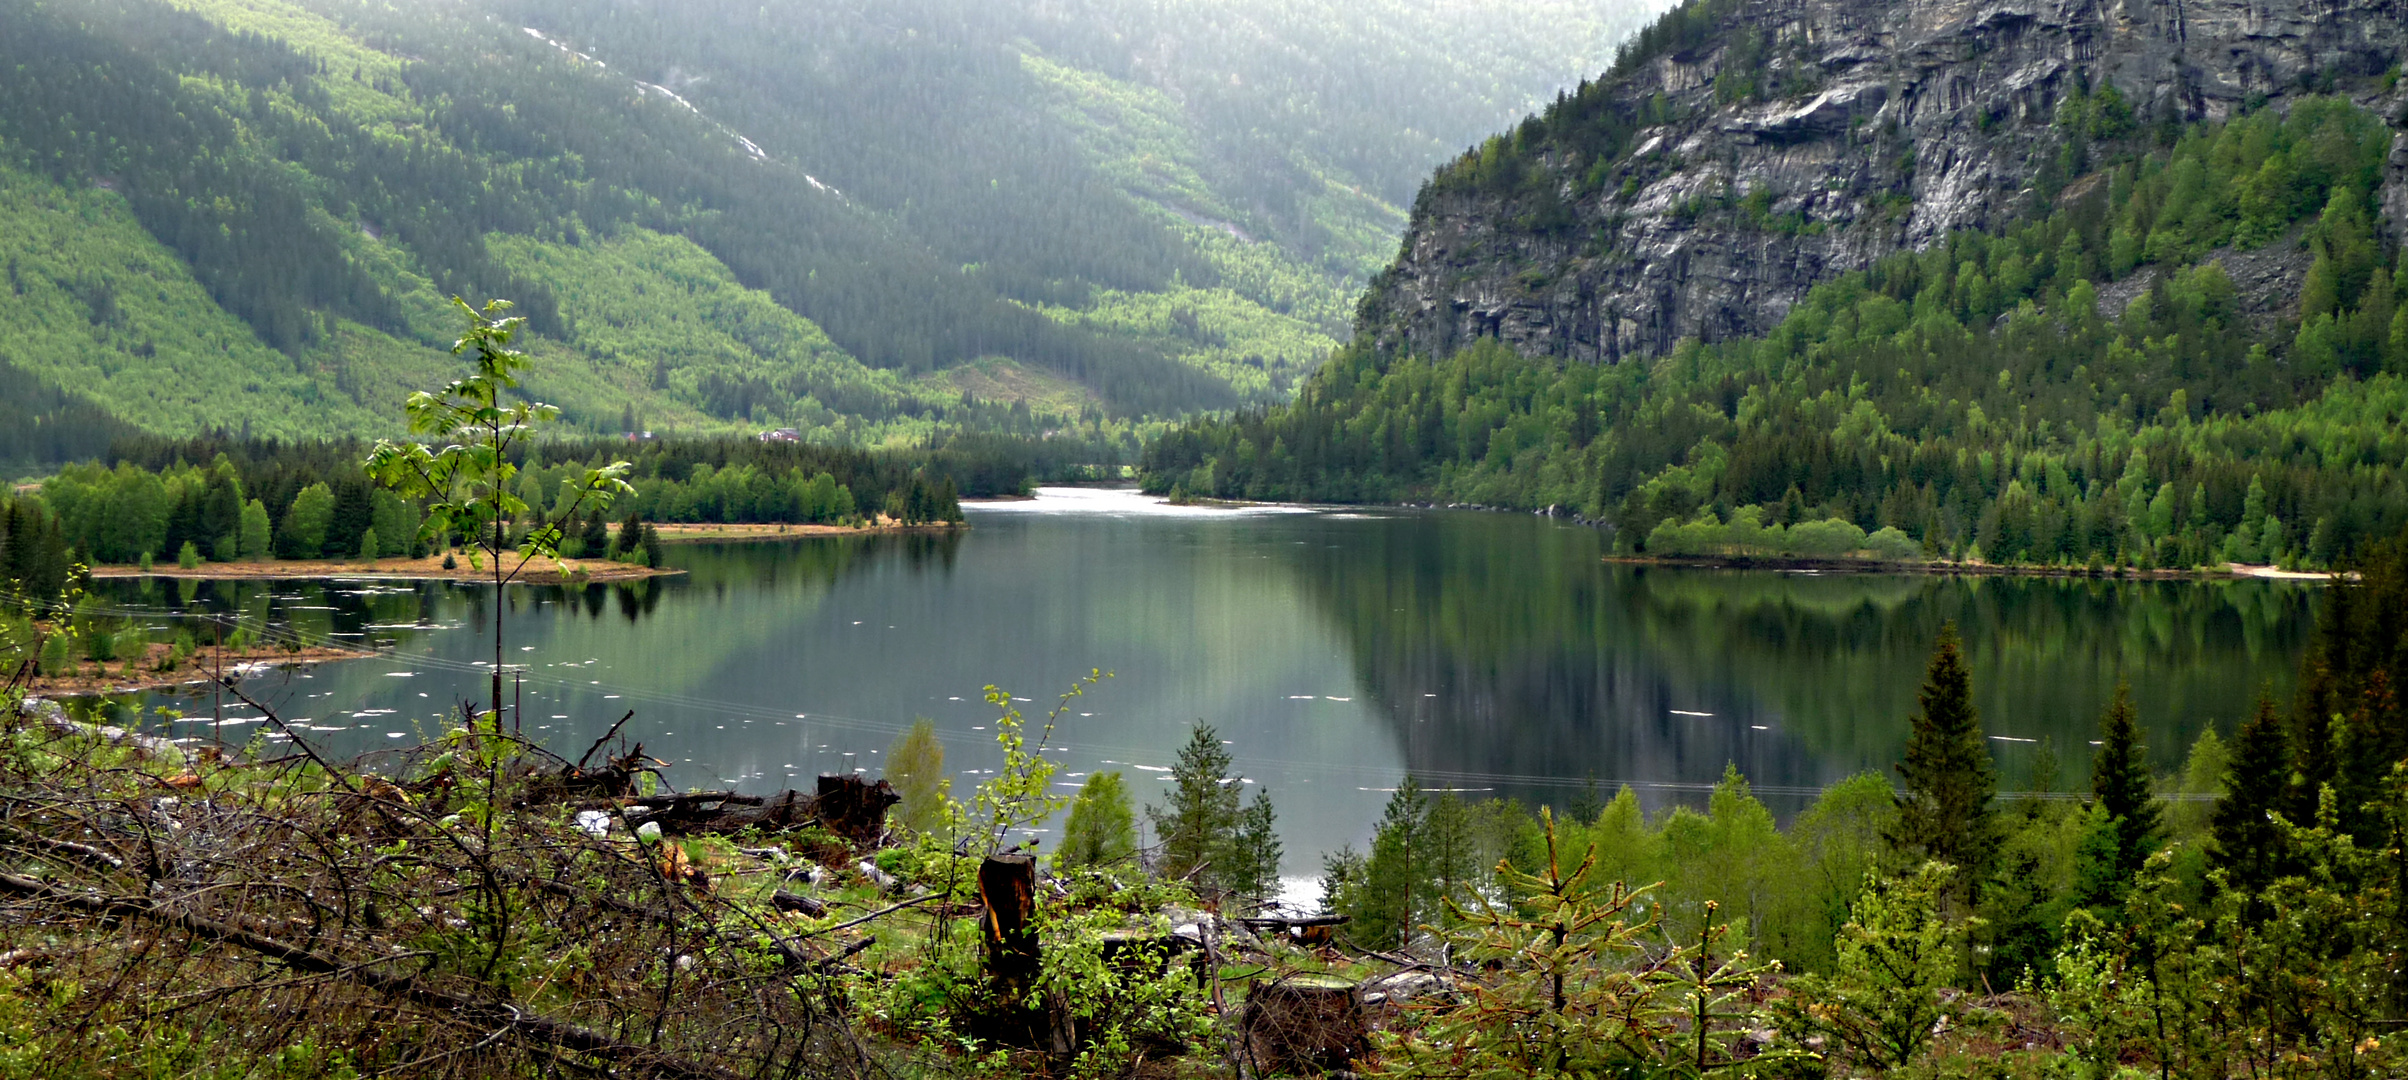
{"points": [[1913, 118], [1406, 986]]}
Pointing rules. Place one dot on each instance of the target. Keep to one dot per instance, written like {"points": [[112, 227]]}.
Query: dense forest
{"points": [[219, 499], [248, 216], [2083, 385]]}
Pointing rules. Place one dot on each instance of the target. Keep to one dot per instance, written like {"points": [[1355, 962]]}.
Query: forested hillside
{"points": [[871, 222], [2191, 351]]}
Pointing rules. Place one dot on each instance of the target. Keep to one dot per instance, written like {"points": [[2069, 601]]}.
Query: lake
{"points": [[1335, 650]]}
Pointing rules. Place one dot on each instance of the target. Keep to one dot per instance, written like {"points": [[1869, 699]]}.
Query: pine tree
{"points": [[1397, 890], [1945, 814], [2243, 839], [2120, 783], [1254, 851], [595, 538], [1203, 814]]}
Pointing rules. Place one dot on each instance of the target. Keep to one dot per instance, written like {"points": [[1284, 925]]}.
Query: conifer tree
{"points": [[1945, 814], [595, 537], [1203, 813], [1396, 888], [1255, 851], [2120, 783], [2244, 841]]}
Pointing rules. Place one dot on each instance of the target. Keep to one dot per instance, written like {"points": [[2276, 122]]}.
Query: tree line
{"points": [[1975, 397], [223, 499]]}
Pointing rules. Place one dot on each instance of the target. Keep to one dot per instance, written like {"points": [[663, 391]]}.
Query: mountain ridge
{"points": [[324, 173], [1743, 150]]}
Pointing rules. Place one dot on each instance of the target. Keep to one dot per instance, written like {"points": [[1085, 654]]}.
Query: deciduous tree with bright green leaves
{"points": [[915, 765], [1102, 828], [467, 481]]}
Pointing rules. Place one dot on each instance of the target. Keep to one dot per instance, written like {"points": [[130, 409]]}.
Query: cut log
{"points": [[1311, 931], [798, 903], [51, 715], [1297, 1027]]}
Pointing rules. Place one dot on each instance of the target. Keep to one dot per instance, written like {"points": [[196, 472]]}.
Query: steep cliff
{"points": [[1743, 150]]}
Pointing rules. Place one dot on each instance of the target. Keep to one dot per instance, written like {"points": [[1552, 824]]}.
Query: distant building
{"points": [[784, 434], [641, 436]]}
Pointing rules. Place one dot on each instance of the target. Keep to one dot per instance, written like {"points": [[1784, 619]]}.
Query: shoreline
{"points": [[540, 569], [2236, 572], [193, 671], [691, 532], [2231, 572], [397, 568]]}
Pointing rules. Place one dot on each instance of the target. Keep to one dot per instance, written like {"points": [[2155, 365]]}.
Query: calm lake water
{"points": [[1334, 650]]}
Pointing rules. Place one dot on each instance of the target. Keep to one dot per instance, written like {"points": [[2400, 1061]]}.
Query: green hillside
{"points": [[246, 215]]}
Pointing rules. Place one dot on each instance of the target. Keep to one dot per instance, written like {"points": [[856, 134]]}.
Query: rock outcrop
{"points": [[1897, 122]]}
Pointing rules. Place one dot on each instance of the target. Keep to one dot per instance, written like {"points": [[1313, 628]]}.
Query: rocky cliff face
{"points": [[1894, 122]]}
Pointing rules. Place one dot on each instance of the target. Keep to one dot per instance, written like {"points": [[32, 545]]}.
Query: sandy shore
{"points": [[536, 570], [429, 568]]}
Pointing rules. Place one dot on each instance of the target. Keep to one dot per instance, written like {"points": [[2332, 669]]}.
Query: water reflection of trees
{"points": [[1498, 645]]}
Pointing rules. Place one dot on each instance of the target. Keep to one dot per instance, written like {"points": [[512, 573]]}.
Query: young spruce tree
{"points": [[1203, 811], [1398, 892], [2121, 785], [2244, 840], [1945, 814], [1210, 838]]}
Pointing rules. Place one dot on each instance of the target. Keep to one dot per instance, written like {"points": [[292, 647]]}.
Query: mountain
{"points": [[2042, 283], [1742, 151], [868, 221]]}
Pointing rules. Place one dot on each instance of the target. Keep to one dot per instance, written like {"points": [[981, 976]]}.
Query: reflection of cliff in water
{"points": [[1504, 651]]}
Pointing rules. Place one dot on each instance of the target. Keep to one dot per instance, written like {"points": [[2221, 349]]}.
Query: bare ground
{"points": [[118, 677]]}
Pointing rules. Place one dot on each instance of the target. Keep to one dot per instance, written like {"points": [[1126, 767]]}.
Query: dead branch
{"points": [[501, 1015]]}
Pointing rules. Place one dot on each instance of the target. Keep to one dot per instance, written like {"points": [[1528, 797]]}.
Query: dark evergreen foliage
{"points": [[1945, 811], [35, 555], [1204, 813], [2350, 726], [2247, 845], [42, 424], [2120, 784]]}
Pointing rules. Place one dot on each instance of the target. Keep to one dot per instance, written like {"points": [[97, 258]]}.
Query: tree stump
{"points": [[1007, 885], [853, 809], [1298, 1028]]}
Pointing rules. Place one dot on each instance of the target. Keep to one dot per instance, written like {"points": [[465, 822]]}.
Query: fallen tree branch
{"points": [[500, 1015], [614, 729], [878, 914]]}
